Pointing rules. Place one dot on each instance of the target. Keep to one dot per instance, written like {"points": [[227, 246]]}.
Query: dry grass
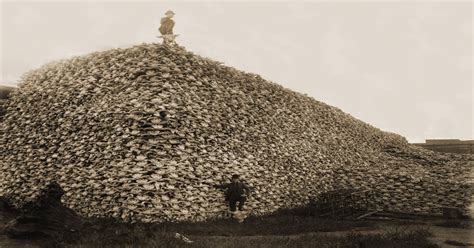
{"points": [[267, 232], [396, 238], [456, 223]]}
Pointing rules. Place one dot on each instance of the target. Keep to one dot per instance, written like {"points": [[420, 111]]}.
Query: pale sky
{"points": [[404, 67]]}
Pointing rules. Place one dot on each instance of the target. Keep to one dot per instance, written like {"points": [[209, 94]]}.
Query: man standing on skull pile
{"points": [[166, 28], [236, 191]]}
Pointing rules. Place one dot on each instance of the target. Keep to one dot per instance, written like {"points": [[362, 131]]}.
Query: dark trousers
{"points": [[233, 203]]}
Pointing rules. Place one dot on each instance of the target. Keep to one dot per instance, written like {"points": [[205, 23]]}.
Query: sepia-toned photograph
{"points": [[236, 124]]}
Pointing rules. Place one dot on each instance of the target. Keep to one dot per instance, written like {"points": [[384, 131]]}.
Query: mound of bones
{"points": [[144, 133]]}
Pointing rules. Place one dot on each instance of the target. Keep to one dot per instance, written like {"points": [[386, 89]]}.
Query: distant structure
{"points": [[448, 145], [4, 92]]}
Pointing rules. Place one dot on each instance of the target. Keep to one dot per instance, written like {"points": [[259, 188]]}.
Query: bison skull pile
{"points": [[143, 134]]}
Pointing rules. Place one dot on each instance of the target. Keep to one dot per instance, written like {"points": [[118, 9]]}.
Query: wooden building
{"points": [[448, 145]]}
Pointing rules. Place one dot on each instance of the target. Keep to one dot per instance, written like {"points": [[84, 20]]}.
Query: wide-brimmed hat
{"points": [[169, 12]]}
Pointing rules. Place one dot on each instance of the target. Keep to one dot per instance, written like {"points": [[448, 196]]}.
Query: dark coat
{"points": [[234, 191], [167, 25]]}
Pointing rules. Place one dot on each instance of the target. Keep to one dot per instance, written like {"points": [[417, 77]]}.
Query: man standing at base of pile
{"points": [[166, 28], [235, 191]]}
